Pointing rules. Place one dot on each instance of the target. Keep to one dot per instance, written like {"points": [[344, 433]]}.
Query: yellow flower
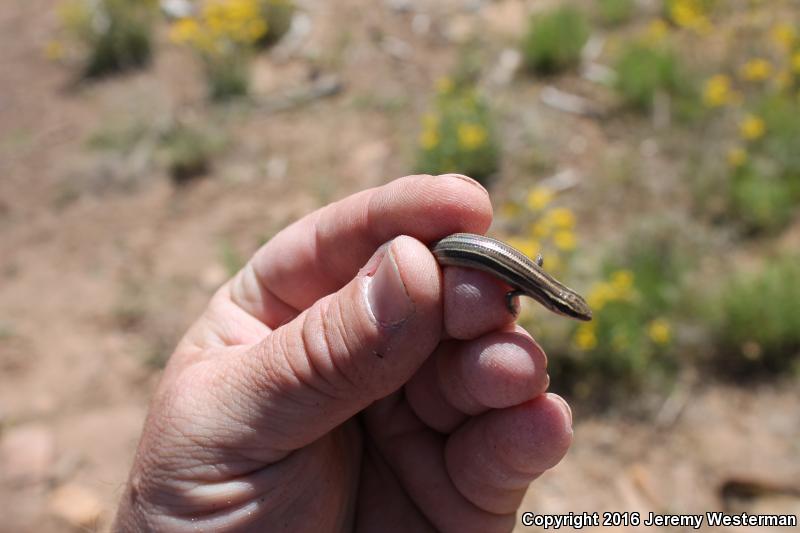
{"points": [[540, 229], [737, 156], [235, 21], [185, 30], [758, 69], [429, 139], [561, 217], [564, 240], [622, 280], [689, 14], [600, 294], [796, 62], [656, 31], [539, 197], [752, 127], [553, 263], [510, 210], [717, 91], [430, 121], [444, 85], [659, 331], [784, 35], [471, 136], [54, 50], [528, 247], [585, 337]]}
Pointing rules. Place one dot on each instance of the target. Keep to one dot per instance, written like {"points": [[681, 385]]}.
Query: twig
{"points": [[322, 87], [567, 102]]}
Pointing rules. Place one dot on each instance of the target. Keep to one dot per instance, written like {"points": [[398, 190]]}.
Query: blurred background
{"points": [[649, 149]]}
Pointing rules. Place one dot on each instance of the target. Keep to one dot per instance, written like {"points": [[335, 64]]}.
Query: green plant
{"points": [[761, 202], [765, 168], [537, 227], [614, 12], [458, 136], [631, 340], [114, 35], [119, 136], [188, 151], [757, 320], [645, 70], [690, 14], [224, 34], [278, 16], [554, 40]]}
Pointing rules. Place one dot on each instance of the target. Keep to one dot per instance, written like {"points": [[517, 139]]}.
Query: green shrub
{"points": [[644, 70], [765, 175], [224, 35], [614, 12], [114, 35], [759, 201], [458, 135], [757, 320], [628, 349], [554, 40], [188, 151]]}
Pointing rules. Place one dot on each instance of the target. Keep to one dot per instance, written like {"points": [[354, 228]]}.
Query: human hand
{"points": [[342, 382]]}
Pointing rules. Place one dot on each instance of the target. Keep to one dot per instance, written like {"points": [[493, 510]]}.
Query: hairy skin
{"points": [[342, 381]]}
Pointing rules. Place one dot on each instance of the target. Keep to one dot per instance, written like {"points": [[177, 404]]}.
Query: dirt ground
{"points": [[104, 262]]}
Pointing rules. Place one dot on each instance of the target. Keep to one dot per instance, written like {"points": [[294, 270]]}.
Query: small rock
{"points": [[506, 67], [276, 168], [76, 504], [27, 453], [400, 6], [177, 8], [421, 24]]}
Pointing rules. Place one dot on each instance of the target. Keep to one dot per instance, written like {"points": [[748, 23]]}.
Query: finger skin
{"points": [[493, 457], [237, 414], [415, 454], [322, 252], [500, 369], [474, 303], [333, 360]]}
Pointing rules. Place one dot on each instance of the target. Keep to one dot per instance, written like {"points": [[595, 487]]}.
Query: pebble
{"points": [[76, 504], [27, 454]]}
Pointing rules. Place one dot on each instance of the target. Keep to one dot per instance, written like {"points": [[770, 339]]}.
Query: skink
{"points": [[515, 268]]}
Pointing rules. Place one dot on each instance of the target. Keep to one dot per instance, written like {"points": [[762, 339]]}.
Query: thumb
{"points": [[347, 350]]}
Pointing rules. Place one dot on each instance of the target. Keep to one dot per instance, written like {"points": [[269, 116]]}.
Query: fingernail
{"points": [[469, 180], [565, 408], [387, 295]]}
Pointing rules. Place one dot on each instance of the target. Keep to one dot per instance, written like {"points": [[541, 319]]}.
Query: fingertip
{"points": [[433, 206], [499, 370], [537, 433], [471, 181]]}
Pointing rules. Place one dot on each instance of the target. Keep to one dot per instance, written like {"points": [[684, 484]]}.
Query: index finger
{"points": [[321, 252]]}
